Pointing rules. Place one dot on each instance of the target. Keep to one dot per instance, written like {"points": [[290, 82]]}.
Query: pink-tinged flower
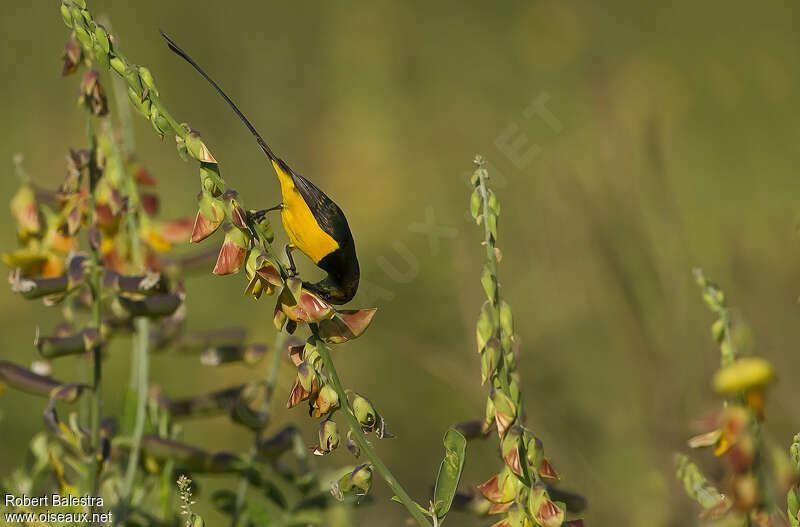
{"points": [[308, 307], [547, 471], [72, 57], [144, 178], [93, 94], [150, 203], [326, 401], [299, 394], [176, 231], [26, 212], [511, 453], [231, 256], [500, 488], [205, 226], [346, 325], [549, 514], [505, 413]]}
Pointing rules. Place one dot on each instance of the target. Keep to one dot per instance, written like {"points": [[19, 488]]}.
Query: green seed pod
{"points": [[506, 318], [159, 122], [131, 76], [142, 106], [83, 37], [489, 284], [365, 413], [102, 57], [66, 15], [494, 205], [147, 78], [475, 204], [197, 149], [328, 437], [102, 38], [360, 480]]}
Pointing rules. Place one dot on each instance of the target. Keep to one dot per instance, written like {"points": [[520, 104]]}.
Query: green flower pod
{"points": [[489, 284], [197, 148], [101, 36], [484, 329], [131, 76], [359, 482], [328, 438], [83, 37], [475, 204], [147, 79], [142, 106], [66, 15], [506, 318], [306, 375], [492, 222], [365, 413], [160, 123], [493, 203], [118, 64]]}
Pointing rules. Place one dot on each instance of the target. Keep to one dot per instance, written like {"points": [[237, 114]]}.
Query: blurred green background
{"points": [[671, 144]]}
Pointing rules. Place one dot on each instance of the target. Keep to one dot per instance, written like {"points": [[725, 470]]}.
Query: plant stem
{"points": [[358, 434], [95, 286], [140, 358], [269, 389]]}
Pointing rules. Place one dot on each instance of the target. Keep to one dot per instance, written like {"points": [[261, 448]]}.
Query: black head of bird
{"points": [[314, 223]]}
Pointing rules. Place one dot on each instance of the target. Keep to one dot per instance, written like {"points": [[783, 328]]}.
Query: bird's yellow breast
{"points": [[301, 226]]}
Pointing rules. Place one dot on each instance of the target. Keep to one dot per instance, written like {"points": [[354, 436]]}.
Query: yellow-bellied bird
{"points": [[315, 224]]}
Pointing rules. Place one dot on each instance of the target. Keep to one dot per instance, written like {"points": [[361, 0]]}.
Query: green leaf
{"points": [[455, 447]]}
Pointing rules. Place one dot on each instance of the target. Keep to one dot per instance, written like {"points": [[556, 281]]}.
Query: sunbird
{"points": [[314, 223]]}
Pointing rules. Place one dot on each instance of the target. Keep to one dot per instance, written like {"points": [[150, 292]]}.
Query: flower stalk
{"points": [[358, 434]]}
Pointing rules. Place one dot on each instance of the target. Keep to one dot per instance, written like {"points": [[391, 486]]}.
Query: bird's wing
{"points": [[328, 215]]}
